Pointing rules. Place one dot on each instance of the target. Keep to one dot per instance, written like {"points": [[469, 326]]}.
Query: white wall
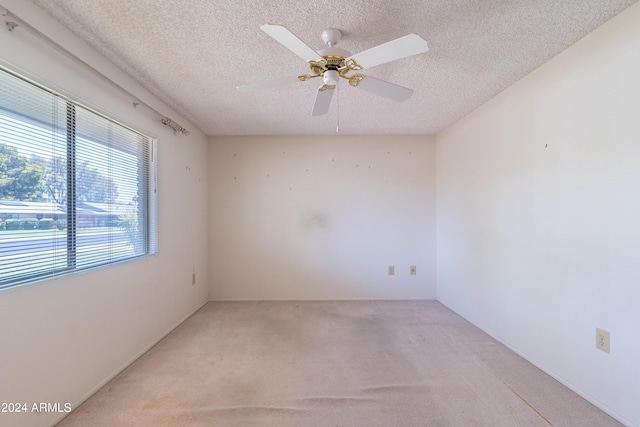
{"points": [[322, 217], [60, 340], [538, 216], [538, 231]]}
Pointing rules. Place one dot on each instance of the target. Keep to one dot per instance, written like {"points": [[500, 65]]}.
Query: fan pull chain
{"points": [[338, 115]]}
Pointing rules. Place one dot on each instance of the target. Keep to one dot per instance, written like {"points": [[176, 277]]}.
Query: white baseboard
{"points": [[125, 366]]}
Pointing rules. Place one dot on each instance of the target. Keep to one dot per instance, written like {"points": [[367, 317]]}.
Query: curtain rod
{"points": [[18, 22]]}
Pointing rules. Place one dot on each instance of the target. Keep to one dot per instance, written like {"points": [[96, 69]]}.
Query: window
{"points": [[77, 189]]}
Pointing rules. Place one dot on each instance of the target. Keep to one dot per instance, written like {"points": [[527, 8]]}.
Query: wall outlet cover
{"points": [[603, 340]]}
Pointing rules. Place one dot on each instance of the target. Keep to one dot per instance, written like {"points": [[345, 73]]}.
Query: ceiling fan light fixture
{"points": [[333, 63]]}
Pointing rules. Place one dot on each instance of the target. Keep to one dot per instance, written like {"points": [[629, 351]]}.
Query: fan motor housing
{"points": [[334, 51]]}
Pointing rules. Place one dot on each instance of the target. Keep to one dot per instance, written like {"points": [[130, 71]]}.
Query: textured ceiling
{"points": [[193, 53]]}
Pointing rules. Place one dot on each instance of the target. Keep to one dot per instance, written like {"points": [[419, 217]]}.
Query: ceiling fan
{"points": [[333, 63]]}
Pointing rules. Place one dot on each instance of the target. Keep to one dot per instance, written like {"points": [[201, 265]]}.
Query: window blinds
{"points": [[77, 189]]}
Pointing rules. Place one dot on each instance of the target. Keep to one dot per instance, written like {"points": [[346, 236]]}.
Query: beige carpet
{"points": [[346, 363]]}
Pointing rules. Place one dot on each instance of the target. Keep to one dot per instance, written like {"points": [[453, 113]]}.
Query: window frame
{"points": [[147, 202]]}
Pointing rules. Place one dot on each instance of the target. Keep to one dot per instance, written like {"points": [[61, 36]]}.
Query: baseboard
{"points": [[125, 365], [586, 396], [319, 299]]}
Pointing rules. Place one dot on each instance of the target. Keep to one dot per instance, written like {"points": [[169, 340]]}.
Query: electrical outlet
{"points": [[193, 279], [392, 270], [603, 340], [412, 270]]}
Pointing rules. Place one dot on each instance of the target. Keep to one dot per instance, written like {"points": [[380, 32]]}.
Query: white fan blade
{"points": [[291, 42], [403, 47], [268, 84], [386, 89], [323, 100]]}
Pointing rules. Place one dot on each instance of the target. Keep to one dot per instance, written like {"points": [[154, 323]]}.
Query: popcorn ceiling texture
{"points": [[193, 53]]}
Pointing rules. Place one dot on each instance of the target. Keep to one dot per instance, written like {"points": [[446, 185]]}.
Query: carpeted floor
{"points": [[332, 363]]}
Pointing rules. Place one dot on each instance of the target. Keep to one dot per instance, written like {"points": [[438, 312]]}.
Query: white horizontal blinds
{"points": [[32, 224], [77, 190], [111, 168], [152, 197]]}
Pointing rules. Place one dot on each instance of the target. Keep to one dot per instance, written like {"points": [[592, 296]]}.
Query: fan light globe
{"points": [[331, 77]]}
